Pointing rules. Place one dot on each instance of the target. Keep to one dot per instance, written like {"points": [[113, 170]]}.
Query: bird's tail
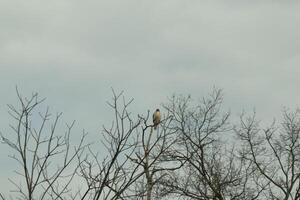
{"points": [[155, 127]]}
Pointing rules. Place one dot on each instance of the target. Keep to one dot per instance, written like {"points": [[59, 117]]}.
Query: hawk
{"points": [[156, 118]]}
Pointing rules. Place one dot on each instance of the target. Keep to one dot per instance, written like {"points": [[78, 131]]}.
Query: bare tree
{"points": [[128, 154], [46, 159], [275, 154], [153, 156], [193, 154], [111, 176], [212, 171], [137, 156]]}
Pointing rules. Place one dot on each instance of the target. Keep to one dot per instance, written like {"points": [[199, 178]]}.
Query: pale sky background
{"points": [[72, 52]]}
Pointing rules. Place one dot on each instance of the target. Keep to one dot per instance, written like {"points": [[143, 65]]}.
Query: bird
{"points": [[156, 118]]}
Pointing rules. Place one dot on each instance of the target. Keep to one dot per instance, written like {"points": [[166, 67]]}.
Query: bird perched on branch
{"points": [[156, 118]]}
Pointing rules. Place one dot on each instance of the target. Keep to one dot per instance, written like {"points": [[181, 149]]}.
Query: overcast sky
{"points": [[72, 52]]}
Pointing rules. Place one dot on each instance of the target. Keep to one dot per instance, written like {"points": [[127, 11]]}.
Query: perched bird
{"points": [[156, 118]]}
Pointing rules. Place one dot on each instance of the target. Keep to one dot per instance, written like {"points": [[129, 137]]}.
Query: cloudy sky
{"points": [[73, 52]]}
